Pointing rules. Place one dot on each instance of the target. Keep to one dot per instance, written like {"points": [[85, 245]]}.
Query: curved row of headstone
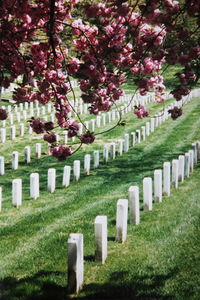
{"points": [[109, 151], [163, 180]]}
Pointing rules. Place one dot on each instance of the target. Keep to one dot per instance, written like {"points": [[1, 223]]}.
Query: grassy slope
{"points": [[159, 259]]}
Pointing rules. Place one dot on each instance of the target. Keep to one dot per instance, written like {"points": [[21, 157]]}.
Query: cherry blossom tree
{"points": [[49, 42]]}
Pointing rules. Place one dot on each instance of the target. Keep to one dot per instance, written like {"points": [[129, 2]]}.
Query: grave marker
{"points": [[121, 220], [100, 225]]}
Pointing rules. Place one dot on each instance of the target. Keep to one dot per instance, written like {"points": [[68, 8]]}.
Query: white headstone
{"points": [[21, 129], [92, 125], [13, 132], [24, 113], [101, 234], [166, 178], [191, 154], [198, 150], [17, 192], [38, 150], [121, 220], [133, 137], [147, 128], [194, 148], [15, 160], [126, 142], [2, 165], [158, 186], [181, 165], [152, 121], [106, 153], [187, 165], [175, 173], [134, 205], [113, 150], [96, 159], [87, 158], [11, 118], [138, 135], [147, 193], [120, 146], [0, 198], [3, 135], [143, 128], [34, 186], [98, 121], [30, 130], [27, 154], [75, 262], [103, 119], [66, 176], [76, 170], [51, 184]]}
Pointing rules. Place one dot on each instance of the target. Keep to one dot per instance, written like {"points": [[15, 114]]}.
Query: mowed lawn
{"points": [[159, 260]]}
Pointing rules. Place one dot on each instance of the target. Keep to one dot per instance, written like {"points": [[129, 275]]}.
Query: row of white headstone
{"points": [[163, 180]]}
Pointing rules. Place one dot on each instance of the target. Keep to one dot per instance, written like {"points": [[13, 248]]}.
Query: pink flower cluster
{"points": [[141, 112]]}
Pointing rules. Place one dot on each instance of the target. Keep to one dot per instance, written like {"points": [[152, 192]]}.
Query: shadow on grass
{"points": [[117, 288]]}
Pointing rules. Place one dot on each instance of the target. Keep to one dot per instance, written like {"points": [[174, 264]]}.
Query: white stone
{"points": [[86, 125], [80, 131], [121, 220], [143, 129], [2, 165], [0, 198], [166, 178], [194, 148], [75, 262], [31, 113], [13, 132], [191, 154], [30, 130], [175, 173], [43, 110], [66, 176], [181, 165], [105, 153], [27, 154], [52, 117], [96, 159], [65, 133], [187, 165], [113, 150], [134, 205], [158, 186], [126, 142], [3, 135], [120, 146], [101, 234], [38, 150], [98, 121], [51, 184], [87, 158], [17, 192], [85, 108], [18, 117], [24, 114], [147, 193], [109, 116], [113, 115], [15, 160], [103, 119], [34, 186], [147, 128], [198, 150], [138, 135], [92, 125], [133, 138], [76, 170], [21, 129], [11, 118], [49, 107]]}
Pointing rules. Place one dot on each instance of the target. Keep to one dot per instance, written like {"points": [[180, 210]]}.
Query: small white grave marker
{"points": [[138, 135], [96, 159], [175, 173], [147, 193], [75, 262], [27, 154], [134, 205], [166, 178], [121, 220], [106, 153], [34, 186], [66, 176], [13, 132], [3, 135], [51, 184], [133, 137], [158, 186], [100, 225], [187, 165], [126, 142], [181, 165], [120, 146], [191, 154], [87, 164], [15, 160], [21, 129], [17, 192], [76, 170], [38, 150], [2, 165]]}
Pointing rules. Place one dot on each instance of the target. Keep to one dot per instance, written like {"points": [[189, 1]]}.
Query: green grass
{"points": [[160, 257]]}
